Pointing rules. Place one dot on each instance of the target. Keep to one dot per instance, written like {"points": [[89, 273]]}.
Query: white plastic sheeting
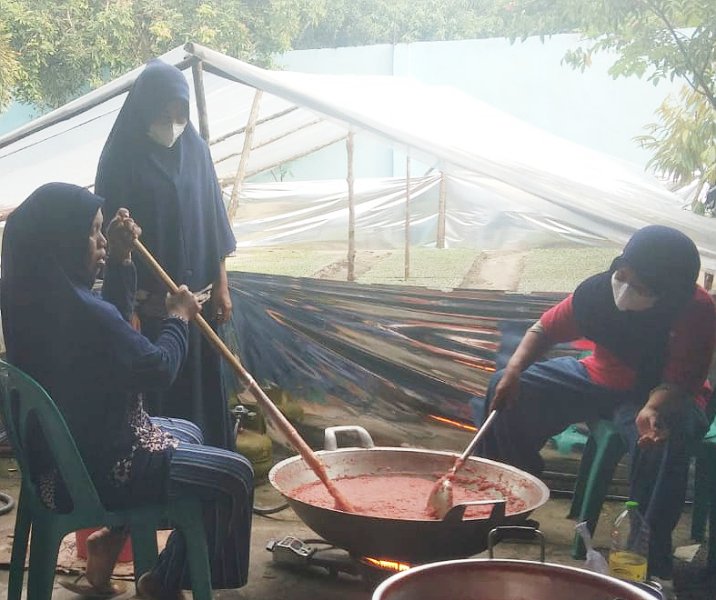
{"points": [[317, 211], [504, 178]]}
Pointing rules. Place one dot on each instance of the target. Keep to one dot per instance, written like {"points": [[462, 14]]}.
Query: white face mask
{"points": [[627, 298], [166, 134]]}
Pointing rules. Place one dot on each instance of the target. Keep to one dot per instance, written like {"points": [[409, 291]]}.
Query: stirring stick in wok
{"points": [[271, 413], [440, 500]]}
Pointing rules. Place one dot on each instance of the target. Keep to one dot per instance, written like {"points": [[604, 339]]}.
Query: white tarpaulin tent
{"points": [[502, 178]]}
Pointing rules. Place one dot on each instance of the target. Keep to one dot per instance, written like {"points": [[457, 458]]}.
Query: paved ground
{"points": [[269, 582]]}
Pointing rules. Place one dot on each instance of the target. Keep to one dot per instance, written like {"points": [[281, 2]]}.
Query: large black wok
{"points": [[480, 579], [404, 539]]}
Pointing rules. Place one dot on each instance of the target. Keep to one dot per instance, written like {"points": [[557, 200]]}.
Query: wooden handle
{"points": [[271, 413]]}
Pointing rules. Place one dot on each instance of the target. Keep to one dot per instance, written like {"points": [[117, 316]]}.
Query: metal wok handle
{"points": [[515, 532], [457, 512], [330, 442]]}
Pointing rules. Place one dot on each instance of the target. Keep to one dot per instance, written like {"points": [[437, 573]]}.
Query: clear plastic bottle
{"points": [[630, 545]]}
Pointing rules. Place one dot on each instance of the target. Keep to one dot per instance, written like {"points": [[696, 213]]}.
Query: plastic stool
{"points": [[705, 494], [604, 449]]}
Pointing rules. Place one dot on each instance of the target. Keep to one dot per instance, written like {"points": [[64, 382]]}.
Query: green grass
{"points": [[561, 269], [284, 261], [544, 270], [430, 267]]}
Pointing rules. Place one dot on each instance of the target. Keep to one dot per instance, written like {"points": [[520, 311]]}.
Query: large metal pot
{"points": [[486, 579], [407, 540]]}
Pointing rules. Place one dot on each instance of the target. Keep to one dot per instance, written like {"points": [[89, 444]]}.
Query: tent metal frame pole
{"points": [[76, 107], [442, 206], [245, 152], [197, 72], [407, 217], [351, 210]]}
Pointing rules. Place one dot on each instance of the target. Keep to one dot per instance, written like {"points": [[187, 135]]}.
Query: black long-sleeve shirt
{"points": [[108, 369]]}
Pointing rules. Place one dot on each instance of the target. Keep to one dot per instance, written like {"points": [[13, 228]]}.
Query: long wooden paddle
{"points": [[271, 413]]}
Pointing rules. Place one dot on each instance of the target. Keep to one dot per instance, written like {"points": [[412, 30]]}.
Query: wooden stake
{"points": [[442, 204], [351, 212], [407, 218], [245, 153]]}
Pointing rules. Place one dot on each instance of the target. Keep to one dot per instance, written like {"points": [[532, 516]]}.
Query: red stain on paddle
{"points": [[313, 462], [341, 503]]}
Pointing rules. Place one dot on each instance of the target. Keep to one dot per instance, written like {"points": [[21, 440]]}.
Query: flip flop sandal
{"points": [[87, 590]]}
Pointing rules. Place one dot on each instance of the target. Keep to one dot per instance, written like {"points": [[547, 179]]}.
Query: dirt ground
{"points": [[492, 270], [497, 270]]}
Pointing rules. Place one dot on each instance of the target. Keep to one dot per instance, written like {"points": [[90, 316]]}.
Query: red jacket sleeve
{"points": [[691, 344], [559, 323]]}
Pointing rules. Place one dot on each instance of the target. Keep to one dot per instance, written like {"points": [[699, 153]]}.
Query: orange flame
{"points": [[456, 424], [386, 565]]}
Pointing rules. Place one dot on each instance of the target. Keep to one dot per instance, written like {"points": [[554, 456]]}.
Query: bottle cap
{"points": [[631, 504]]}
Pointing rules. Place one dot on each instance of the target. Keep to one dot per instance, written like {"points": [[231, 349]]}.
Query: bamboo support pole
{"points": [[407, 218], [351, 211], [272, 414], [245, 153], [442, 206]]}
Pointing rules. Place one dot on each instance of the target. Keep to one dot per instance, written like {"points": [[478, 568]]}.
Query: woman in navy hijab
{"points": [[96, 367], [652, 329], [156, 165]]}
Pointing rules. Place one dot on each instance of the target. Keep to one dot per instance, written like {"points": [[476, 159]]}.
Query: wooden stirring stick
{"points": [[271, 413]]}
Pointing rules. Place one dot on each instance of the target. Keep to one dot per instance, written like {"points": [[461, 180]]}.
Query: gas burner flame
{"points": [[451, 423], [385, 564]]}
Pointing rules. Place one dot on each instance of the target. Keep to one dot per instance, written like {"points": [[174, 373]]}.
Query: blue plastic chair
{"points": [[21, 398]]}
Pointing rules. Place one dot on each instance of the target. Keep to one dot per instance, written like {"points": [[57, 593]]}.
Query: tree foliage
{"points": [[682, 141], [61, 47], [9, 67], [656, 39], [51, 50], [58, 48], [653, 38], [358, 22]]}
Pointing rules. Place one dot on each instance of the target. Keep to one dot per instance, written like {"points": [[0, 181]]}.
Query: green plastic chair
{"points": [[21, 397], [704, 508], [603, 452], [570, 439], [604, 449]]}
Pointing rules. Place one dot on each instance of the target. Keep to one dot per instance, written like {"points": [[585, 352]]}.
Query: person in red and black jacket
{"points": [[653, 331]]}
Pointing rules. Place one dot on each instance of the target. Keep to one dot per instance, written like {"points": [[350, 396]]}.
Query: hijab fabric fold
{"points": [[172, 193], [666, 261], [54, 324]]}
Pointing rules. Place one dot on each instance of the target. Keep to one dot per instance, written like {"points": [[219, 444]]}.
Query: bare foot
{"points": [[103, 548]]}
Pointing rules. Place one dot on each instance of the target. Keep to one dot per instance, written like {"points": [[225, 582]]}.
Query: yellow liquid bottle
{"points": [[627, 565], [630, 545]]}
